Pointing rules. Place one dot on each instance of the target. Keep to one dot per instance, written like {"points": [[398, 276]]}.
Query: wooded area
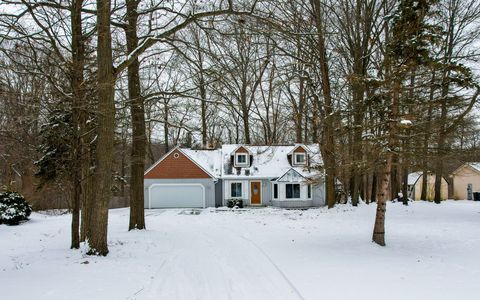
{"points": [[93, 92]]}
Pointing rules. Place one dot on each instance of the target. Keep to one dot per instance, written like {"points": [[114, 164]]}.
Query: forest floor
{"points": [[432, 252]]}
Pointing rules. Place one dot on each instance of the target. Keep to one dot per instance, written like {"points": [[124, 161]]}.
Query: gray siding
{"points": [[293, 203], [208, 184], [218, 193], [215, 195], [318, 196], [267, 192]]}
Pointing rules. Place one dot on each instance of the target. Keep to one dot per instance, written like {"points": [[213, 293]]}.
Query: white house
{"points": [[283, 176]]}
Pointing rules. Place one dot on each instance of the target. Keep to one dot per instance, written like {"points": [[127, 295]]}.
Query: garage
{"points": [[176, 196]]}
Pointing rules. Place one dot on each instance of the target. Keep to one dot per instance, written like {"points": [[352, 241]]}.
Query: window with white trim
{"points": [[241, 158], [275, 191], [292, 191], [299, 158], [236, 190]]}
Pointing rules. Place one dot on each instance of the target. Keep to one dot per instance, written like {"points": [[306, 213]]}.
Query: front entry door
{"points": [[255, 193]]}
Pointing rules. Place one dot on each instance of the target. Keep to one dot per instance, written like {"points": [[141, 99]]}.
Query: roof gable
{"points": [[241, 149], [176, 164], [271, 161], [474, 166], [291, 176], [299, 149], [413, 177]]}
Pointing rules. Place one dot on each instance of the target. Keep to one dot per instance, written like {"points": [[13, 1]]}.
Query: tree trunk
{"points": [[379, 227], [97, 238], [299, 113], [426, 137], [328, 142], [405, 184], [439, 166], [374, 187], [383, 192], [165, 126], [137, 110], [75, 242], [203, 96], [246, 121], [78, 112]]}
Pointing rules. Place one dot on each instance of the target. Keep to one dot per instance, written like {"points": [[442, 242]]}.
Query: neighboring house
{"points": [[415, 187], [466, 180], [283, 176]]}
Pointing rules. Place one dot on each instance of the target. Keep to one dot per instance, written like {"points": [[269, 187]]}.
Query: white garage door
{"points": [[176, 195]]}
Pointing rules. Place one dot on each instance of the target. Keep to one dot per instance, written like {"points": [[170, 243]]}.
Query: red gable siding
{"points": [[241, 149], [172, 167], [299, 149]]}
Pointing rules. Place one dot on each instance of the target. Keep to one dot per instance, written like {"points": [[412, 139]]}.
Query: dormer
{"points": [[298, 156], [241, 157]]}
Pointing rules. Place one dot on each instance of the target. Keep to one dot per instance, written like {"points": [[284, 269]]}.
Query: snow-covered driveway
{"points": [[433, 252]]}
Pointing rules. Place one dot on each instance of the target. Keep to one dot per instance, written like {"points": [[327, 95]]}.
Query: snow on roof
{"points": [[210, 160], [413, 177], [475, 165], [270, 161]]}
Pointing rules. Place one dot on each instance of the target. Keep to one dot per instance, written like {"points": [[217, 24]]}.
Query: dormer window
{"points": [[299, 158], [241, 159]]}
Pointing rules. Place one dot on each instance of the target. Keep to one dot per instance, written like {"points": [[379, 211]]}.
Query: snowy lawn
{"points": [[432, 252]]}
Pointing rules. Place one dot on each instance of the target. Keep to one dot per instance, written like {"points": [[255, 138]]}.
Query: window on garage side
{"points": [[309, 191], [236, 189], [292, 190], [275, 191]]}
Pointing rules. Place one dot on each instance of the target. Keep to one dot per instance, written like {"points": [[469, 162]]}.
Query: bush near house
{"points": [[13, 208], [238, 203]]}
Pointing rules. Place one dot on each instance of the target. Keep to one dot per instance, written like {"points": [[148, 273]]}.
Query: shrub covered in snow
{"points": [[235, 203], [13, 208]]}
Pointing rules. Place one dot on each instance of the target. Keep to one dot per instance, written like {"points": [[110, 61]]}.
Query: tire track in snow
{"points": [[272, 262], [290, 283]]}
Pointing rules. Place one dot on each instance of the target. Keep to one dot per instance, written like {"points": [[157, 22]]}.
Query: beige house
{"points": [[466, 180], [415, 186]]}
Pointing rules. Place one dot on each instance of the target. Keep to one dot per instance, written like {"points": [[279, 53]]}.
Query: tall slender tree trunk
{"points": [[405, 184], [300, 113], [97, 238], [166, 126], [245, 116], [203, 95], [75, 239], [327, 142], [383, 193], [358, 116], [137, 110], [77, 80], [426, 139]]}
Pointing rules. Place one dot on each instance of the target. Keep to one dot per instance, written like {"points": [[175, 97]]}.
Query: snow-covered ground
{"points": [[432, 252]]}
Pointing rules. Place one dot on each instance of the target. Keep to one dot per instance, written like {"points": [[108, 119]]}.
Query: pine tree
{"points": [[407, 48]]}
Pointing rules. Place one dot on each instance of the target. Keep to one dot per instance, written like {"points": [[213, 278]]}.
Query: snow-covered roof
{"points": [[413, 177], [475, 165], [209, 160], [270, 161]]}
